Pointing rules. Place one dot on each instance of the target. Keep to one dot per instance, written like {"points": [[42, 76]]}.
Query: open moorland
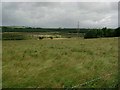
{"points": [[71, 62]]}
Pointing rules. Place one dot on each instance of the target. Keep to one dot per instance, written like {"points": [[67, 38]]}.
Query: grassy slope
{"points": [[60, 63]]}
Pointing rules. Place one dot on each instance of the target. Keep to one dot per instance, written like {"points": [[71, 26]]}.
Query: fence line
{"points": [[91, 80]]}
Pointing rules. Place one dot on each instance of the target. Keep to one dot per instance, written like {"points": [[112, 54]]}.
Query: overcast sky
{"points": [[61, 14]]}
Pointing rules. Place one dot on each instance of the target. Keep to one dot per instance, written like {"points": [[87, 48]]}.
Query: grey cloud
{"points": [[119, 14], [61, 14], [0, 14]]}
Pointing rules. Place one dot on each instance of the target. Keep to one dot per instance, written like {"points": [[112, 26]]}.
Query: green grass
{"points": [[60, 63]]}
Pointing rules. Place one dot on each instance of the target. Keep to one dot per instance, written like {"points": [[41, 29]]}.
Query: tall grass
{"points": [[60, 63]]}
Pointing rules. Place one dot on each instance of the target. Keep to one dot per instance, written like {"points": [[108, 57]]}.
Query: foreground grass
{"points": [[60, 63]]}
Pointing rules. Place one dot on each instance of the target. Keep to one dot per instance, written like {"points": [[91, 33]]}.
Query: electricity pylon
{"points": [[78, 29]]}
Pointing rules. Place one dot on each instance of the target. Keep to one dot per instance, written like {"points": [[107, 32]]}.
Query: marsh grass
{"points": [[60, 63]]}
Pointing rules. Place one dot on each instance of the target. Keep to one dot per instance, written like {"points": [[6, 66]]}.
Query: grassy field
{"points": [[60, 63]]}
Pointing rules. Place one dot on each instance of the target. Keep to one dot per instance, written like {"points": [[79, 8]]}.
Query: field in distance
{"points": [[60, 63]]}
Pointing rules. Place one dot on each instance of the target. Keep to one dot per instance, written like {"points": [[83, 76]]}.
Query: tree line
{"points": [[104, 32], [87, 33]]}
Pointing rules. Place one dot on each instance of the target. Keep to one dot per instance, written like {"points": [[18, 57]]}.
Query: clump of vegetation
{"points": [[51, 37], [117, 32], [13, 36], [104, 32], [41, 37]]}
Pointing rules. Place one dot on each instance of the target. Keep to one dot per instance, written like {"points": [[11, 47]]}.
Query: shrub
{"points": [[104, 32], [41, 37], [51, 37], [91, 34], [117, 32]]}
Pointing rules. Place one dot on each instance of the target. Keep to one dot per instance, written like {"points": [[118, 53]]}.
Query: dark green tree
{"points": [[117, 32]]}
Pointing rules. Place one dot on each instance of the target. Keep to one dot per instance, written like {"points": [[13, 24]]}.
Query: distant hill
{"points": [[14, 26], [38, 29]]}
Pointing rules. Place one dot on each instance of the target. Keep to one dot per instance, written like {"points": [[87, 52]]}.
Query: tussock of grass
{"points": [[60, 63]]}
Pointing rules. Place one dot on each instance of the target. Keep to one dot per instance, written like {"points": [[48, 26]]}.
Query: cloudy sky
{"points": [[60, 14]]}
